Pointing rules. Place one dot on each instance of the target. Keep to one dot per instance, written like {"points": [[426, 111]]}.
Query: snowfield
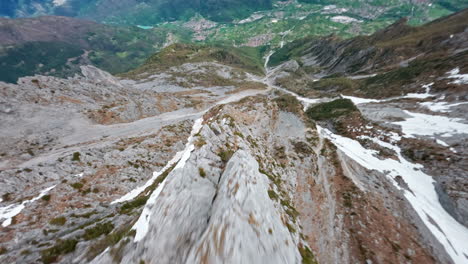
{"points": [[422, 195], [431, 125]]}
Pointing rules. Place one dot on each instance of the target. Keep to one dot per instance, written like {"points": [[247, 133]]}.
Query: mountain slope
{"points": [[336, 151], [413, 72]]}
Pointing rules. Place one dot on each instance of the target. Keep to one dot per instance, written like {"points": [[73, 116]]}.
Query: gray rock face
{"points": [[217, 208], [93, 139]]}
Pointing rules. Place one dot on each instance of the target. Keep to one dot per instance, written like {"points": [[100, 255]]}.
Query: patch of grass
{"points": [[85, 215], [77, 185], [335, 84], [273, 195], [246, 58], [59, 221], [61, 247], [290, 228], [202, 172], [110, 240], [136, 203], [3, 250], [25, 252], [98, 230], [225, 155], [331, 109], [252, 141], [307, 255], [76, 156], [273, 178], [288, 103], [200, 142], [84, 192], [290, 210], [239, 134]]}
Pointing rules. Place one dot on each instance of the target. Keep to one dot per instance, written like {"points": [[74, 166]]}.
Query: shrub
{"points": [[76, 156], [61, 247], [331, 109], [77, 185], [46, 197], [60, 221], [6, 197], [202, 172]]}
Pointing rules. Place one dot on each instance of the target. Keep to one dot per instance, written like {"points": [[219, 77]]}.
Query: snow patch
{"points": [[358, 100], [431, 125], [442, 143], [455, 74], [421, 95], [10, 211], [443, 107]]}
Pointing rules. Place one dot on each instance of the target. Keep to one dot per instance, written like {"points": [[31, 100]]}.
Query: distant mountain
{"points": [[134, 11], [59, 45]]}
